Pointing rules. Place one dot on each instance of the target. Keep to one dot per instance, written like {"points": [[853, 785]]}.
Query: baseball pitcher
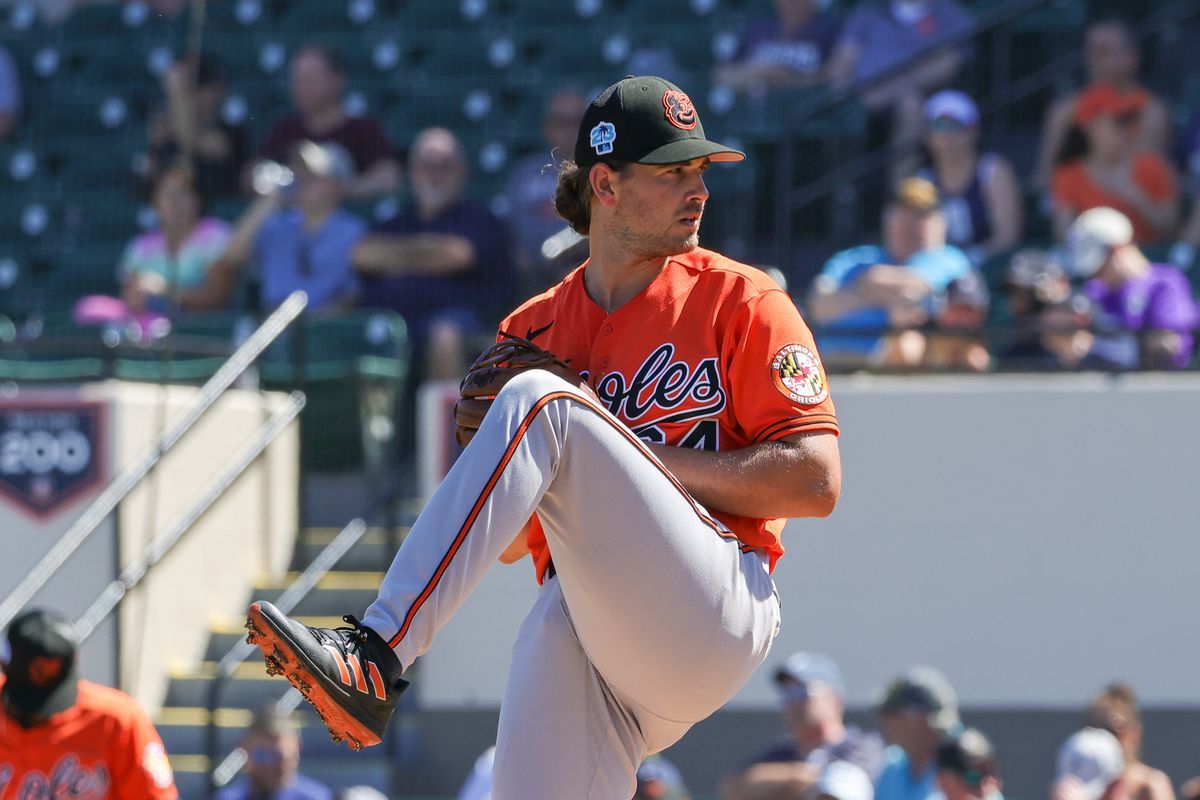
{"points": [[641, 430]]}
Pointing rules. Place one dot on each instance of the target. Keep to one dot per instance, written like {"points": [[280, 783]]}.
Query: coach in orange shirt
{"points": [[65, 737]]}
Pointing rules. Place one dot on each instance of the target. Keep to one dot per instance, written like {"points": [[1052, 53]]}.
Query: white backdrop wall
{"points": [[1035, 537]]}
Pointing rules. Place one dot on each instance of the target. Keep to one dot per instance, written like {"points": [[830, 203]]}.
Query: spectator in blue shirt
{"points": [[445, 264], [790, 49], [918, 713], [272, 748], [882, 39], [298, 235], [864, 291], [812, 692]]}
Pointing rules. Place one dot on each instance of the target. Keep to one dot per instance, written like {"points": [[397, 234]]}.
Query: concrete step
{"points": [[374, 551], [336, 594], [185, 732], [248, 688]]}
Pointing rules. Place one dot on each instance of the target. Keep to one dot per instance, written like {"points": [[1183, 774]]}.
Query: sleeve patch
{"points": [[156, 764], [797, 374]]}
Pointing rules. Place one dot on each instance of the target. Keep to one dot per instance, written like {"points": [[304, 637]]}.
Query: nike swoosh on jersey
{"points": [[532, 334]]}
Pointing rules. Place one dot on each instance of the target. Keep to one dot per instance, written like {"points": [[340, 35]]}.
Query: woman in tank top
{"points": [[980, 195]]}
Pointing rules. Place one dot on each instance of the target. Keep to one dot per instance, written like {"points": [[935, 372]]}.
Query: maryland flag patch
{"points": [[797, 374]]}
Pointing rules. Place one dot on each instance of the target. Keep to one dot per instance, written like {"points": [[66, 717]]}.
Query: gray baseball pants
{"points": [[656, 615]]}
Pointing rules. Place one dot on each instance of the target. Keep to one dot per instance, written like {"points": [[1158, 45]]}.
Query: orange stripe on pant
{"points": [[505, 458]]}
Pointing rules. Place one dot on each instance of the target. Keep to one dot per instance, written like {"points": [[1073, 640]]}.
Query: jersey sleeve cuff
{"points": [[807, 424]]}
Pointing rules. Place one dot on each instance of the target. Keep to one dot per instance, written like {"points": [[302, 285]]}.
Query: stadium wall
{"points": [[1033, 537]]}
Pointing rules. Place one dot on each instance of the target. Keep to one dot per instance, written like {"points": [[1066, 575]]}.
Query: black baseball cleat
{"points": [[349, 674]]}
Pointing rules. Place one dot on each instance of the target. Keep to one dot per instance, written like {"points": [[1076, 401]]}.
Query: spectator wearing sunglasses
{"points": [[918, 712], [812, 695], [272, 747], [980, 194], [967, 768], [1102, 164]]}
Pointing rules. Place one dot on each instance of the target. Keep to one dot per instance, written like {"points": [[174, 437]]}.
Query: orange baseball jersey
{"points": [[711, 355], [104, 747]]}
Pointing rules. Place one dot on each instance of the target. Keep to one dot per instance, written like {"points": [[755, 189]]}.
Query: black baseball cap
{"points": [[646, 120], [40, 675], [969, 755]]}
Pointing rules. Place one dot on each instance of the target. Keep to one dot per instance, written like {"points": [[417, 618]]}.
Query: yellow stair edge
{"points": [[335, 579], [188, 763], [238, 625], [191, 715], [252, 669]]}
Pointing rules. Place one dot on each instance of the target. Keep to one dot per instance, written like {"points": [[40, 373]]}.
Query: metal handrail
{"points": [[160, 545], [132, 475]]}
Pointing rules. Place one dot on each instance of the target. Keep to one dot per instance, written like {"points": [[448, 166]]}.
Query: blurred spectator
{"points": [[298, 235], [967, 768], [1038, 290], [1145, 311], [955, 343], [530, 192], [444, 264], [919, 710], [1116, 711], [191, 131], [1190, 790], [10, 94], [272, 747], [789, 49], [1102, 165], [980, 194], [659, 779], [863, 291], [1184, 251], [318, 81], [842, 780], [812, 694], [360, 793], [1110, 58], [880, 37], [92, 741], [1090, 767], [161, 266]]}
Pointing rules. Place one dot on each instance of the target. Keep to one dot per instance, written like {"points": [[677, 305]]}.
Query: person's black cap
{"points": [[646, 120], [969, 755], [39, 673]]}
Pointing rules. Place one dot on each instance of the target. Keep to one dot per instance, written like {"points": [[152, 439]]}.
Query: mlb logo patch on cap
{"points": [[602, 138]]}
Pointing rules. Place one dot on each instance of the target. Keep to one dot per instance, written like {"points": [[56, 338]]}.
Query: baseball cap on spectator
{"points": [[795, 676], [925, 689], [952, 104], [970, 756], [40, 664], [968, 290], [918, 194], [326, 160], [1106, 100], [1093, 236], [647, 120], [659, 779], [844, 781], [1093, 757]]}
